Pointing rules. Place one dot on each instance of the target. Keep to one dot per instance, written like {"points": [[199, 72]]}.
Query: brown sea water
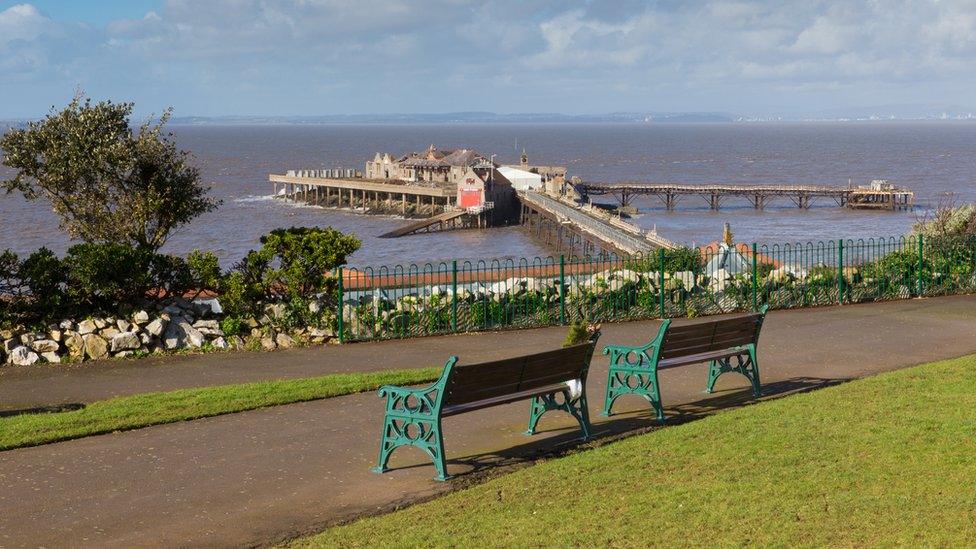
{"points": [[929, 157]]}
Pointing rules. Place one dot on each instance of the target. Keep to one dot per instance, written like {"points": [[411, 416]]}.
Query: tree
{"points": [[106, 182]]}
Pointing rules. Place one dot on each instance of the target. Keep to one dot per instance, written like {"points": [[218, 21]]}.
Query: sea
{"points": [[936, 159]]}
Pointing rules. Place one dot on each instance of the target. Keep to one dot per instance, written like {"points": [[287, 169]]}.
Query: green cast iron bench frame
{"points": [[633, 370], [413, 416]]}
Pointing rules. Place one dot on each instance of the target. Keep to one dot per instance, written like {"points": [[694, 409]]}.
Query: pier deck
{"points": [[438, 222], [364, 193], [587, 228], [758, 195]]}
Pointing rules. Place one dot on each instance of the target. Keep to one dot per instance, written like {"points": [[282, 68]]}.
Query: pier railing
{"points": [[463, 296]]}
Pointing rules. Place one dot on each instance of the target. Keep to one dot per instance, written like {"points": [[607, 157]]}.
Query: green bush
{"points": [[44, 276], [103, 276]]}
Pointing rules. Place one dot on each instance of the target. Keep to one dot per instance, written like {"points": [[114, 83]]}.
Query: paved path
{"points": [[265, 475]]}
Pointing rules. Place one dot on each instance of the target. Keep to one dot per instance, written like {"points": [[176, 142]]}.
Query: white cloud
{"points": [[316, 56]]}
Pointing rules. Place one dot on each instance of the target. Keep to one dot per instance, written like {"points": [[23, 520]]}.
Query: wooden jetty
{"points": [[451, 219], [879, 195], [562, 225]]}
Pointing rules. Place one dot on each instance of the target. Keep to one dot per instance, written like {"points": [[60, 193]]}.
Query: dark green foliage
{"points": [[44, 276], [102, 276], [106, 182], [292, 266]]}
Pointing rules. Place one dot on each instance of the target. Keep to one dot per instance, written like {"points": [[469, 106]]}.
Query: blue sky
{"points": [[307, 57]]}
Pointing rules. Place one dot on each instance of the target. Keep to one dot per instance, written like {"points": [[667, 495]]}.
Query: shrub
{"points": [[43, 275], [103, 276]]}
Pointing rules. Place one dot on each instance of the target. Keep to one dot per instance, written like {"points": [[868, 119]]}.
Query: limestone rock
{"points": [[251, 322], [268, 343], [30, 337], [157, 327], [220, 343], [235, 342], [23, 356], [125, 341], [53, 358], [55, 334], [10, 344], [314, 307], [180, 333], [123, 325], [86, 327], [123, 354], [100, 323], [75, 343], [109, 333], [6, 334], [95, 347], [207, 324], [66, 325], [45, 346], [284, 341], [140, 317]]}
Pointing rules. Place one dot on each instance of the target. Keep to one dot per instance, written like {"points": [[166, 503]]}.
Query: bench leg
{"points": [[645, 385], [577, 407], [747, 365], [427, 437]]}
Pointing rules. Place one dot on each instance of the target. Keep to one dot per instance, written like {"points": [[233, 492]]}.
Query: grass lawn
{"points": [[133, 412], [887, 460]]}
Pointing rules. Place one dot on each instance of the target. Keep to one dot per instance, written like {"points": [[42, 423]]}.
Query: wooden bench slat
{"points": [[700, 357], [501, 399]]}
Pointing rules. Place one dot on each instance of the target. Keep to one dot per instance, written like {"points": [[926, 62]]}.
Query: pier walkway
{"points": [[614, 236], [438, 222], [259, 477], [758, 195]]}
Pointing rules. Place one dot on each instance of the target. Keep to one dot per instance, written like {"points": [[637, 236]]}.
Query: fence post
{"points": [[755, 279], [921, 246], [660, 279], [342, 335], [840, 271], [562, 289], [454, 302]]}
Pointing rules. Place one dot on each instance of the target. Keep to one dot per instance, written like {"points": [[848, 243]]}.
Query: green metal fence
{"points": [[465, 296]]}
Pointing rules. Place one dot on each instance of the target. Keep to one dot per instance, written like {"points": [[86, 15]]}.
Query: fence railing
{"points": [[464, 296]]}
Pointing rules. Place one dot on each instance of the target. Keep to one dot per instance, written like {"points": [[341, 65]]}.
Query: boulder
{"points": [[55, 334], [75, 343], [235, 342], [6, 334], [267, 343], [66, 325], [275, 310], [125, 341], [123, 354], [109, 332], [123, 325], [181, 333], [157, 327], [320, 332], [10, 344], [86, 326], [23, 356], [251, 322], [779, 276], [101, 323], [687, 279], [95, 347], [53, 358], [220, 343], [45, 346], [30, 337], [314, 307], [285, 341], [140, 317], [206, 324]]}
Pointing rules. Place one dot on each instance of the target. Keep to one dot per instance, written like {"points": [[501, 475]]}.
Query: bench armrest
{"points": [[421, 401], [620, 353]]}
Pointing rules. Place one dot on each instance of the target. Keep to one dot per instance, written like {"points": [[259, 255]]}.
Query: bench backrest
{"points": [[714, 335], [491, 382]]}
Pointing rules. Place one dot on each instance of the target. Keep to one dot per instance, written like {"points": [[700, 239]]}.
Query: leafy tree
{"points": [[106, 182]]}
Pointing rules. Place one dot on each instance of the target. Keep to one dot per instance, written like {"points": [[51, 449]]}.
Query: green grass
{"points": [[133, 412], [888, 460]]}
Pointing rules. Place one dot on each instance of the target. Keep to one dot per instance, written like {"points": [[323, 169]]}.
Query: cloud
{"points": [[325, 56]]}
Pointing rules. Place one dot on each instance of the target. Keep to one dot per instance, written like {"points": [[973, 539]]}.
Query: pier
{"points": [[879, 195], [562, 225], [365, 194]]}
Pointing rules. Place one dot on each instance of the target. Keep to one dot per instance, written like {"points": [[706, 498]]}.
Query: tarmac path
{"points": [[262, 476]]}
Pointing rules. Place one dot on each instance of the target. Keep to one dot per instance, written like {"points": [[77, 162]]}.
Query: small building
{"points": [[521, 180], [433, 166]]}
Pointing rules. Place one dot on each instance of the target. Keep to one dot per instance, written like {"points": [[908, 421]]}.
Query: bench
{"points": [[633, 370], [413, 416]]}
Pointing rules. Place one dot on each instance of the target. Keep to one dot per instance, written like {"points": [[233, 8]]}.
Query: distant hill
{"points": [[471, 117]]}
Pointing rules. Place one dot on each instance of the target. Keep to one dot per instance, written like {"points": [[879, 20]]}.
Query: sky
{"points": [[316, 57]]}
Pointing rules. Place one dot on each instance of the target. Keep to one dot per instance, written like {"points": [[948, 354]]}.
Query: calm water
{"points": [[931, 158]]}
